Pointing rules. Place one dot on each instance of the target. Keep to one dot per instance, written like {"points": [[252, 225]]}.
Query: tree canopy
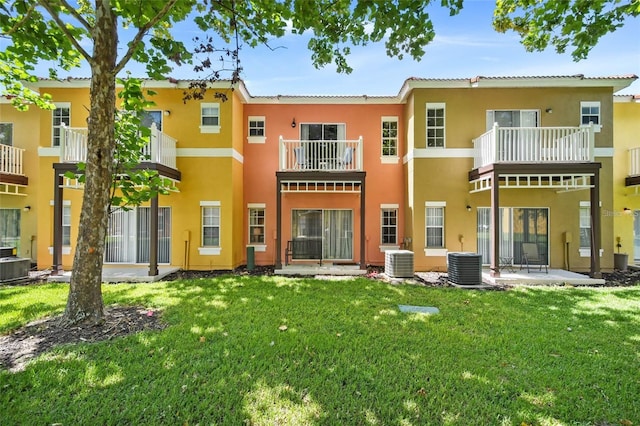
{"points": [[108, 34]]}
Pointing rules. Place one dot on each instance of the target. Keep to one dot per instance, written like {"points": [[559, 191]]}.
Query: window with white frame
{"points": [[435, 125], [256, 128], [61, 115], [590, 113], [434, 224], [209, 117], [6, 134], [585, 226], [210, 226], [66, 225], [10, 228], [389, 136], [513, 118], [389, 226], [150, 118], [256, 225]]}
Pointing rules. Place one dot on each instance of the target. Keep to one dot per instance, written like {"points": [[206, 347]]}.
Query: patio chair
{"points": [[300, 159], [347, 158], [531, 256]]}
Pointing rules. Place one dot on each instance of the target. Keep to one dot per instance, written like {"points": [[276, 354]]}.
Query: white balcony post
{"points": [[591, 142], [493, 146], [63, 139], [360, 165], [153, 141], [283, 154]]}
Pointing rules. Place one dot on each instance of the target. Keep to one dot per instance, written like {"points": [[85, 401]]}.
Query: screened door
{"points": [[128, 236], [517, 226]]}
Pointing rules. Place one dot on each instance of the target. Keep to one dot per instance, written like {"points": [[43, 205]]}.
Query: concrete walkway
{"points": [[134, 274]]}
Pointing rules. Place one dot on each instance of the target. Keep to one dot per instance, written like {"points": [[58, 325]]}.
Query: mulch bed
{"points": [[39, 336], [24, 344]]}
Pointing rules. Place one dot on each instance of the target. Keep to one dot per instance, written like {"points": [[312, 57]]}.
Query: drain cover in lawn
{"points": [[419, 309]]}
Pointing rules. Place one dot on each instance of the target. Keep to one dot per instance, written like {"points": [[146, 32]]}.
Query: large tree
{"points": [[69, 32]]}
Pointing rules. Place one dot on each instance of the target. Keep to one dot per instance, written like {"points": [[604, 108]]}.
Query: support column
{"points": [[278, 223], [495, 224], [153, 237], [363, 261], [56, 269], [596, 229]]}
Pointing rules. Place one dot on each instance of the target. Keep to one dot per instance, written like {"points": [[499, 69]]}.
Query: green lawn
{"points": [[536, 356]]}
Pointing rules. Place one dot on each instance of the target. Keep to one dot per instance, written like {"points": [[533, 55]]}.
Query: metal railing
{"points": [[534, 145], [160, 149], [321, 155], [11, 160]]}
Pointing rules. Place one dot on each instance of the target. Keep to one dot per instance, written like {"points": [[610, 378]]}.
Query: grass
{"points": [[536, 356]]}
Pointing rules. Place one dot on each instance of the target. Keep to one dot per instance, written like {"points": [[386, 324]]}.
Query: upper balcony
{"points": [[534, 145], [12, 175], [633, 173], [160, 149], [321, 155]]}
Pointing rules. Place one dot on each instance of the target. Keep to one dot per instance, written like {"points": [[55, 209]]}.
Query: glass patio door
{"points": [[128, 236], [326, 234], [517, 226], [636, 236]]}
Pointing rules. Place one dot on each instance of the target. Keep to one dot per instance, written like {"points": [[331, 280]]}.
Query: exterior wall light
{"points": [[293, 122]]}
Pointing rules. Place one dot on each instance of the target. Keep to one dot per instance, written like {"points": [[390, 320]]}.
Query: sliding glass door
{"points": [[128, 236], [517, 226], [327, 233]]}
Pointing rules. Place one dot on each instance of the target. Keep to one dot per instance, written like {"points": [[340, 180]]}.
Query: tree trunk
{"points": [[84, 304]]}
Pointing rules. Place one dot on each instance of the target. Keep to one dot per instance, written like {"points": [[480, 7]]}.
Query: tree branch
{"points": [[76, 15], [142, 31], [22, 21], [63, 28]]}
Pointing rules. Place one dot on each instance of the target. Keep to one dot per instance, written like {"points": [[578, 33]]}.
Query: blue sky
{"points": [[466, 45]]}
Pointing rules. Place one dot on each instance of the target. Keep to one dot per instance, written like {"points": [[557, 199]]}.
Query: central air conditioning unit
{"points": [[398, 263], [465, 268], [12, 267]]}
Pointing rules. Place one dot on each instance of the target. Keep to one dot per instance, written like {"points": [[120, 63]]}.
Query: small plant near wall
{"points": [[618, 243]]}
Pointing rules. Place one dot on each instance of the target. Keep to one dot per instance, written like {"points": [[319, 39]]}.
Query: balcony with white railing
{"points": [[11, 160], [534, 145], [321, 155], [160, 149], [634, 162]]}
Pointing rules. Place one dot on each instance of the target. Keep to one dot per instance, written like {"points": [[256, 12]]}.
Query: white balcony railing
{"points": [[161, 148], [11, 160], [634, 162], [534, 145], [321, 155]]}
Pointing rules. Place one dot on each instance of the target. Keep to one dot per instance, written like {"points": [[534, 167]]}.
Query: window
{"points": [[6, 134], [389, 226], [389, 136], [585, 228], [590, 113], [66, 225], [435, 125], [10, 228], [434, 224], [152, 117], [322, 132], [512, 118], [256, 133], [210, 226], [210, 118], [256, 226], [61, 115]]}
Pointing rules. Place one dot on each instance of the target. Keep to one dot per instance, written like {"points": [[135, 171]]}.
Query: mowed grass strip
{"points": [[295, 351]]}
